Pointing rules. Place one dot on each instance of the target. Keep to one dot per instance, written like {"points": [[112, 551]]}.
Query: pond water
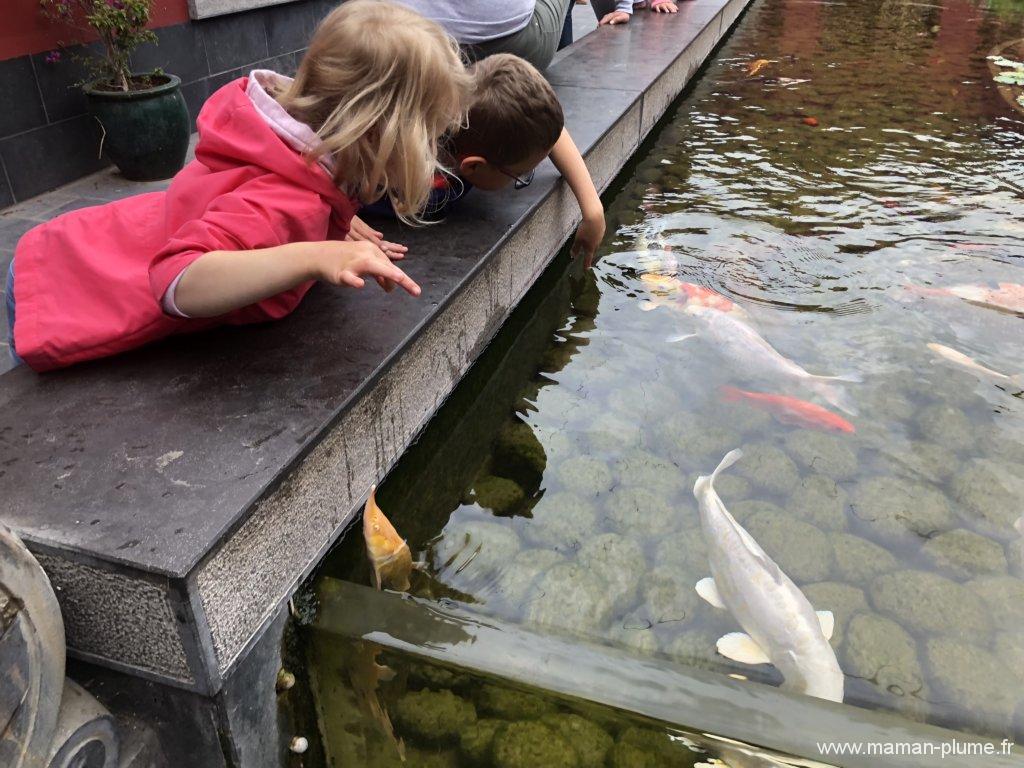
{"points": [[846, 180]]}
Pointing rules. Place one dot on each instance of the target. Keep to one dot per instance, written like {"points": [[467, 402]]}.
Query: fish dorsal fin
{"points": [[828, 623], [707, 589], [741, 647]]}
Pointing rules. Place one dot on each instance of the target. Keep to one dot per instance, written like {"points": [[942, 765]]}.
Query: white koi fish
{"points": [[748, 349], [1008, 297], [965, 361], [781, 627]]}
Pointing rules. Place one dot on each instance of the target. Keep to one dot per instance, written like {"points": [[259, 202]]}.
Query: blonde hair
{"points": [[380, 84]]}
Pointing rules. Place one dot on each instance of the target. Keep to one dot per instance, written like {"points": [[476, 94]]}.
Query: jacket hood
{"points": [[233, 133]]}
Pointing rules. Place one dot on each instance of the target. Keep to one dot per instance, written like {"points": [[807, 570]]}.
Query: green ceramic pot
{"points": [[146, 130]]}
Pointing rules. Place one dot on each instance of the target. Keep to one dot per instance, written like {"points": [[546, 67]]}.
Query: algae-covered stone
{"points": [[728, 487], [818, 500], [829, 455], [475, 549], [923, 460], [947, 425], [504, 703], [962, 554], [857, 560], [430, 758], [974, 680], [618, 561], [432, 717], [986, 501], [767, 466], [668, 752], [561, 521], [498, 494], [640, 512], [611, 433], [1009, 649], [519, 454], [669, 597], [802, 551], [693, 441], [927, 603], [880, 651], [640, 468], [744, 510], [585, 475], [891, 507], [684, 553], [423, 674], [588, 740], [569, 597], [697, 648], [634, 632], [516, 581], [631, 756], [841, 599], [1004, 597], [532, 745], [475, 741]]}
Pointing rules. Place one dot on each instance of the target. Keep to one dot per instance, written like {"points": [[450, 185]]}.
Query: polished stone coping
{"points": [[177, 495]]}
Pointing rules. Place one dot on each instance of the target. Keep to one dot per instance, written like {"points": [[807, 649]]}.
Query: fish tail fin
{"points": [[730, 394], [834, 395], [845, 378], [684, 337], [707, 482]]}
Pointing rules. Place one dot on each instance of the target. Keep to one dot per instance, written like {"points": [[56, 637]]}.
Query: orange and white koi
{"points": [[365, 674], [790, 410], [965, 361], [1008, 297], [389, 553], [673, 292]]}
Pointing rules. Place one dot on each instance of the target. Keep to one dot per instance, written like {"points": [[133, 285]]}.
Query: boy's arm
{"points": [[569, 162], [221, 281]]}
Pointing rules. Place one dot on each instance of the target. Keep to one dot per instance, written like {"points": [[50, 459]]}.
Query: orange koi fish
{"points": [[687, 294], [757, 65], [790, 410], [389, 553]]}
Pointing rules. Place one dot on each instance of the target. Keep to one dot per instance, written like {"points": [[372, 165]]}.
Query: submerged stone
{"points": [[744, 510], [962, 554], [611, 433], [683, 553], [987, 503], [561, 521], [767, 466], [843, 600], [475, 549], [641, 512], [532, 745], [432, 717], [476, 740], [947, 425], [571, 598], [619, 562], [498, 494], [802, 551], [668, 752], [695, 442], [974, 682], [640, 468], [503, 703], [818, 500], [519, 455], [669, 598], [857, 560], [927, 603], [891, 507], [585, 475], [879, 651], [635, 632], [829, 455], [588, 740], [1004, 597], [516, 581]]}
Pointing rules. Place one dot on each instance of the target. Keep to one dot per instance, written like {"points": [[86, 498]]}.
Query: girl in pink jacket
{"points": [[265, 209]]}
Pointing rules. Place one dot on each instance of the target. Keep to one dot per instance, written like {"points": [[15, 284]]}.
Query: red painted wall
{"points": [[24, 30]]}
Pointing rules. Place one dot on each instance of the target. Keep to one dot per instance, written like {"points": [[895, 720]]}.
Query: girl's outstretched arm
{"points": [[221, 281]]}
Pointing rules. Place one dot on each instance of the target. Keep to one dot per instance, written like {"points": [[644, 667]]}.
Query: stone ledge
{"points": [[180, 493]]}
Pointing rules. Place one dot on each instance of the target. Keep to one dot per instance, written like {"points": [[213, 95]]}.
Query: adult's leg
{"points": [[566, 38], [536, 42], [602, 7]]}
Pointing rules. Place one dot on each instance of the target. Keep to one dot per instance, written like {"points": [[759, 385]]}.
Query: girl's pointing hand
{"points": [[347, 263]]}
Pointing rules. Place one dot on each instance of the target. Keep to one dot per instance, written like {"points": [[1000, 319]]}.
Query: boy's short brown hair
{"points": [[514, 113]]}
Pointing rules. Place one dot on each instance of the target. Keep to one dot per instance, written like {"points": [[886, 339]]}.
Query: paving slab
{"points": [[177, 495]]}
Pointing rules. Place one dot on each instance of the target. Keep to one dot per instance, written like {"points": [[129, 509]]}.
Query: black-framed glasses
{"points": [[520, 181]]}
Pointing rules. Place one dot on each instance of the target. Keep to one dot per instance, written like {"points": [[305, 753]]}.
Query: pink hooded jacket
{"points": [[90, 283]]}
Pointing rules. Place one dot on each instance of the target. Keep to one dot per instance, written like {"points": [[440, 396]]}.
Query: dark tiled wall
{"points": [[46, 137]]}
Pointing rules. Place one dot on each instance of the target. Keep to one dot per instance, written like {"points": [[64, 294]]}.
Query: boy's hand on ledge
{"points": [[347, 263], [613, 18], [589, 237], [665, 6], [359, 230]]}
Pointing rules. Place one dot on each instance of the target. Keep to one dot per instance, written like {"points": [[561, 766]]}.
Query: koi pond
{"points": [[840, 194]]}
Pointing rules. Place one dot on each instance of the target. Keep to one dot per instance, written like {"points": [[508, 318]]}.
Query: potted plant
{"points": [[143, 116]]}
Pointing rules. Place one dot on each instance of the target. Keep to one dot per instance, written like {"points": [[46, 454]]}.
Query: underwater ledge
{"points": [[177, 496]]}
